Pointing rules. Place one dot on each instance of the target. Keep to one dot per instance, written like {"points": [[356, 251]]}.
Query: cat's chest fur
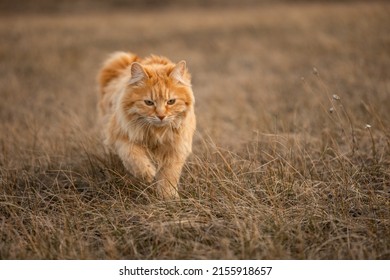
{"points": [[158, 139], [162, 145]]}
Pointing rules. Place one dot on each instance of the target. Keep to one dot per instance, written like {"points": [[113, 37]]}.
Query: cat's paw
{"points": [[145, 172], [148, 173], [167, 191]]}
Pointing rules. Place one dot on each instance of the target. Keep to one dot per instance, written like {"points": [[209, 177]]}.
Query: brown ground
{"points": [[281, 169]]}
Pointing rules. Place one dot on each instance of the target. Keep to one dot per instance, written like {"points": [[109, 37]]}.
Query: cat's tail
{"points": [[113, 67]]}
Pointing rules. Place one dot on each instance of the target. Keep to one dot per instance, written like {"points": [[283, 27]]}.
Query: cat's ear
{"points": [[179, 73], [138, 74]]}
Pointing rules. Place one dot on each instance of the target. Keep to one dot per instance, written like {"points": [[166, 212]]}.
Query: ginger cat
{"points": [[147, 111]]}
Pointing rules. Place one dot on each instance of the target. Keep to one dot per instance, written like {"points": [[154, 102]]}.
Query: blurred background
{"points": [[9, 6]]}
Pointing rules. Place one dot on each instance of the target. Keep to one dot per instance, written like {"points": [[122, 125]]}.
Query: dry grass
{"points": [[275, 173]]}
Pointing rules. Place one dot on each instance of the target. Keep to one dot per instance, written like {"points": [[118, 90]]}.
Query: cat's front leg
{"points": [[168, 179], [136, 161]]}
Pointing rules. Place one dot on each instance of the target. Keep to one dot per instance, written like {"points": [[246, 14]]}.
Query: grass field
{"points": [[291, 157]]}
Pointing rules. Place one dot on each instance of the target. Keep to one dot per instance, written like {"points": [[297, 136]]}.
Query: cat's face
{"points": [[158, 96]]}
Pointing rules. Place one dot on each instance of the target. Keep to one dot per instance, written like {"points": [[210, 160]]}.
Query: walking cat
{"points": [[146, 110]]}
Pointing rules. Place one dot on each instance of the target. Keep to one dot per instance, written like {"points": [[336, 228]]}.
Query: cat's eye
{"points": [[149, 102], [171, 101]]}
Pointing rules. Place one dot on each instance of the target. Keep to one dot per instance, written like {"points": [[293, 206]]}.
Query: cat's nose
{"points": [[161, 117]]}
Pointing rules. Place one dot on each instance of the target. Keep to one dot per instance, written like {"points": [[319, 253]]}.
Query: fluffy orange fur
{"points": [[147, 114]]}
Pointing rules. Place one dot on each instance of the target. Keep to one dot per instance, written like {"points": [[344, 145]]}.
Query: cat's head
{"points": [[158, 94]]}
